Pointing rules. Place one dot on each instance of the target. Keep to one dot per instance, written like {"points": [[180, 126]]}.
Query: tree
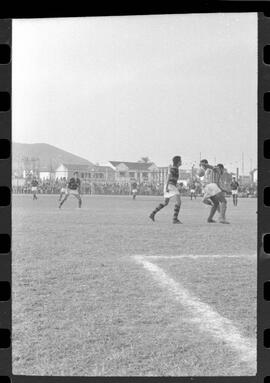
{"points": [[145, 160]]}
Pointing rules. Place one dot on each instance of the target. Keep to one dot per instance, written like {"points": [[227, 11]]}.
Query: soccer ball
{"points": [[201, 172]]}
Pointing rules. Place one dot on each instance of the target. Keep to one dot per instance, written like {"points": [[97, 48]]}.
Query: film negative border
{"points": [[263, 212], [263, 310], [5, 199]]}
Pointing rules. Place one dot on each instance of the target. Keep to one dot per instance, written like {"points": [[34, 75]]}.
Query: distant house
{"points": [[134, 171], [162, 174], [67, 171], [101, 173], [45, 173]]}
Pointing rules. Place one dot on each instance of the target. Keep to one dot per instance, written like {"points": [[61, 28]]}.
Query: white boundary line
{"points": [[202, 315], [195, 256]]}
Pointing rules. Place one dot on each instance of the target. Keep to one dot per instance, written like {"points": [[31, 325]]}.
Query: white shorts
{"points": [[134, 191], [73, 192], [64, 190], [192, 191], [210, 190], [234, 192], [173, 191], [34, 189]]}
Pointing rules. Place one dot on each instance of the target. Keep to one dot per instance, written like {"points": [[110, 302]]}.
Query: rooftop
{"points": [[133, 165]]}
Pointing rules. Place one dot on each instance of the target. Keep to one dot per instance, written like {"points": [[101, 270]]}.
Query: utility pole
{"points": [[243, 166]]}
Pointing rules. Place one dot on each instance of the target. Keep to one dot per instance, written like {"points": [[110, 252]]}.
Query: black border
{"points": [[263, 176]]}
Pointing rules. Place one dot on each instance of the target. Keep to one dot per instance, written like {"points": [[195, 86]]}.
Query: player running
{"points": [[170, 191], [134, 190], [63, 190], [213, 192], [74, 186], [34, 188], [192, 188], [234, 188]]}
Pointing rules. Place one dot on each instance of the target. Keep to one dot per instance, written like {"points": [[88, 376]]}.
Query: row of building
{"points": [[118, 172]]}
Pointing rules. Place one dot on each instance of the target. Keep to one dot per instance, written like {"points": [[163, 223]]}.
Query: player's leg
{"points": [[236, 199], [223, 207], [177, 209], [64, 200], [214, 208], [61, 194], [78, 197], [158, 208]]}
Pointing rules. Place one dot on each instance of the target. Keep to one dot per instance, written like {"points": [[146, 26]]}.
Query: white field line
{"points": [[195, 256], [203, 315]]}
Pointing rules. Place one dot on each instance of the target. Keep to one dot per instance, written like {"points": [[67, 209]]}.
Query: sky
{"points": [[119, 88]]}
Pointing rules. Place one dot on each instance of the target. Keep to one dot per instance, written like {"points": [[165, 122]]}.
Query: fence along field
{"points": [[102, 290]]}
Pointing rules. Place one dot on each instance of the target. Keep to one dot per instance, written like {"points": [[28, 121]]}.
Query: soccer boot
{"points": [[224, 221], [152, 217], [176, 221]]}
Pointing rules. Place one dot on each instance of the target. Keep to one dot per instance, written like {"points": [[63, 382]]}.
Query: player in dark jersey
{"points": [[34, 188], [234, 189], [171, 190], [134, 189], [74, 188]]}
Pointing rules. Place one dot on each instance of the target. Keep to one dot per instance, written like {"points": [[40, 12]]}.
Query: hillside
{"points": [[45, 155]]}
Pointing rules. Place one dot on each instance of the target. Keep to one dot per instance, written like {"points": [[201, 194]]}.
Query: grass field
{"points": [[103, 290]]}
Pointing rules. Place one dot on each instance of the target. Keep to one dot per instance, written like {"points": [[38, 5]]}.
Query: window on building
{"points": [[132, 174], [82, 175], [122, 174], [145, 175]]}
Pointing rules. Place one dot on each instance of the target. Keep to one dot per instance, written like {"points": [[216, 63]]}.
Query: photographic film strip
{"points": [[263, 205]]}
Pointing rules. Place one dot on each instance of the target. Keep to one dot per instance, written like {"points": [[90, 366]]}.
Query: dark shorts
{"points": [[219, 198]]}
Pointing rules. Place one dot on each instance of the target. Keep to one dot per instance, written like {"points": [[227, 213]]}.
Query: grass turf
{"points": [[82, 306]]}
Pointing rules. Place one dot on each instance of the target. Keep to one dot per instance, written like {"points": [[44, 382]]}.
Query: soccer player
{"points": [[170, 191], [234, 188], [63, 190], [74, 186], [213, 192], [34, 189], [192, 187], [134, 190]]}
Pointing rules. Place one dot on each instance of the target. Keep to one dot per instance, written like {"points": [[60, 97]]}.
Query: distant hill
{"points": [[44, 155]]}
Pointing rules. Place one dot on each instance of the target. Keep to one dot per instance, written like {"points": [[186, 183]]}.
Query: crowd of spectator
{"points": [[54, 186]]}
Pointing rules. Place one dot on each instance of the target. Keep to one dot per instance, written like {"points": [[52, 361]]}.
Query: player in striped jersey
{"points": [[170, 191], [63, 190], [74, 186], [213, 192]]}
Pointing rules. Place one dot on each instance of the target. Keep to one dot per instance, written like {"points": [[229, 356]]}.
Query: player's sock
{"points": [[212, 212], [80, 203], [176, 212], [158, 208], [223, 208]]}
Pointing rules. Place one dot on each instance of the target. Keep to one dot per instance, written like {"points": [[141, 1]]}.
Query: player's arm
{"points": [[216, 170], [167, 182]]}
